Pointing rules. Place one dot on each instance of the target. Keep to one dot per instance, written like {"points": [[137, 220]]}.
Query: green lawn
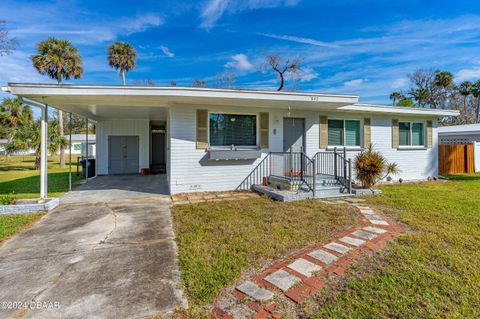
{"points": [[20, 177], [219, 241], [10, 224], [431, 272]]}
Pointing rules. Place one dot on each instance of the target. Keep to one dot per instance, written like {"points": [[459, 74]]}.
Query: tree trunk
{"points": [[282, 82], [123, 78], [37, 160]]}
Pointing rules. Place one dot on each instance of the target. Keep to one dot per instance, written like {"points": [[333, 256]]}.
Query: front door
{"points": [[123, 153], [293, 134]]}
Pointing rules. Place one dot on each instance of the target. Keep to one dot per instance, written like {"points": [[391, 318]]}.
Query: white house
{"points": [[462, 134], [79, 143], [215, 139]]}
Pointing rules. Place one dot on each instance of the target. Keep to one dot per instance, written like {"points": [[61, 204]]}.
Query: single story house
{"points": [[79, 143], [3, 142], [223, 139], [462, 134]]}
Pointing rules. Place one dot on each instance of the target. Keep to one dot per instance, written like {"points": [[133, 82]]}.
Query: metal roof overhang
{"points": [[130, 102], [117, 102]]}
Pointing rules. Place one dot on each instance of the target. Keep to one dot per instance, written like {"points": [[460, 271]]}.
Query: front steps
{"points": [[286, 191]]}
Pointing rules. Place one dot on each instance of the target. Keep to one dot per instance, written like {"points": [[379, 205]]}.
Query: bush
{"points": [[371, 167], [7, 199]]}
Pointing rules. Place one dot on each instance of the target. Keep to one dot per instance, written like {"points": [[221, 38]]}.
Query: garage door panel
{"points": [[123, 156]]}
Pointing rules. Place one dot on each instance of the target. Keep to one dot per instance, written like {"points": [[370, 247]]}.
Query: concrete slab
{"points": [[254, 291], [364, 235], [378, 222], [112, 259], [304, 267], [375, 230], [323, 256], [117, 187], [282, 280], [339, 248], [352, 241]]}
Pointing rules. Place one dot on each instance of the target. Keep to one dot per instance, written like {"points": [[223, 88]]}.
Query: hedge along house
{"points": [[218, 139]]}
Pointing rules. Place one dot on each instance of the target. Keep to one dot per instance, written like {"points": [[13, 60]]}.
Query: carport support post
{"points": [[44, 153], [70, 154], [86, 152]]}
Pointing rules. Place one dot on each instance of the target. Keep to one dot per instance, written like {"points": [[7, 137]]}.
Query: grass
{"points": [[19, 177], [431, 272], [10, 224], [220, 241]]}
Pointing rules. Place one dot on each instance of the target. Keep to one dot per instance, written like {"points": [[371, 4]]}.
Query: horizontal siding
{"points": [[191, 171], [140, 128]]}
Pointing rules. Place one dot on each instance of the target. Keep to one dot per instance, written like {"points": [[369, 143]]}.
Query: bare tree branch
{"points": [[7, 45]]}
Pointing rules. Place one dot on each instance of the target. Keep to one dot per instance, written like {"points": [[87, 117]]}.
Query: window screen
{"points": [[335, 132], [233, 129]]}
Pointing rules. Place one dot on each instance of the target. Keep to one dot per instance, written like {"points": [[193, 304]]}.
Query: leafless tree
{"points": [[7, 44], [143, 82], [282, 67], [199, 83], [225, 80]]}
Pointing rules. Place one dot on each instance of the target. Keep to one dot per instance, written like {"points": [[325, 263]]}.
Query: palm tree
{"points": [[29, 137], [13, 115], [59, 59], [465, 89], [121, 56], [395, 97], [476, 93]]}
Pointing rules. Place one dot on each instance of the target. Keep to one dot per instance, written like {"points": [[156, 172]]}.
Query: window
{"points": [[343, 133], [233, 129], [77, 147], [411, 134]]}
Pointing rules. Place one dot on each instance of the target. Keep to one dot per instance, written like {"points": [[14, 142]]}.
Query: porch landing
{"points": [[290, 196]]}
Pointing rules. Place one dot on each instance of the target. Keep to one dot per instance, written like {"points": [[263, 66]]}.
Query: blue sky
{"points": [[356, 47]]}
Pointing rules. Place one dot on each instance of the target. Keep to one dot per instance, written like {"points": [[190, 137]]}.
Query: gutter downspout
{"points": [[43, 146]]}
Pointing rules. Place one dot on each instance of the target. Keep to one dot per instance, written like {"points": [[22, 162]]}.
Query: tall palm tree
{"points": [[59, 59], [395, 97], [476, 93], [13, 115], [465, 89], [122, 56]]}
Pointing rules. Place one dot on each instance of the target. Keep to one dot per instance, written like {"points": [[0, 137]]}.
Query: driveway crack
{"points": [[114, 214]]}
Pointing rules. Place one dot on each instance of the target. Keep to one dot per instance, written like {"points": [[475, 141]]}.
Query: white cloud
{"points": [[468, 74], [167, 51], [354, 83], [399, 83], [213, 10], [240, 62], [300, 40], [142, 23], [308, 74]]}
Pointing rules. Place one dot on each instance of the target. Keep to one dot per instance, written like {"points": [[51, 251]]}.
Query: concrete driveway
{"points": [[94, 257]]}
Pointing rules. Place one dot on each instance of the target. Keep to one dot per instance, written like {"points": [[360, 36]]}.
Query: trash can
{"points": [[91, 167]]}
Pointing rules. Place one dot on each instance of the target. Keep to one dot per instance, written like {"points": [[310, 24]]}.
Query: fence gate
{"points": [[456, 159]]}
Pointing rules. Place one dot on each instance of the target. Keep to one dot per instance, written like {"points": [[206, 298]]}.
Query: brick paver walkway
{"points": [[303, 273]]}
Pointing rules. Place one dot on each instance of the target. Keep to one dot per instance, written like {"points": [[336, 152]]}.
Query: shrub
{"points": [[7, 199], [371, 167]]}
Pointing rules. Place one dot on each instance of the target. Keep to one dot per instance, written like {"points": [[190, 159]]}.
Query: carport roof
{"points": [[115, 102]]}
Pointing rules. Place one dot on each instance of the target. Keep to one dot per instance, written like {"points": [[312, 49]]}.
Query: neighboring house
{"points": [[462, 134], [3, 142], [213, 139], [79, 142]]}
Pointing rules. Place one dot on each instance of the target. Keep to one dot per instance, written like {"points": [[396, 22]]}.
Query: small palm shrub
{"points": [[371, 167], [7, 199]]}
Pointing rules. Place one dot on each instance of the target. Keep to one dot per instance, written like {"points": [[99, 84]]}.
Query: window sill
{"points": [[409, 148], [238, 154]]}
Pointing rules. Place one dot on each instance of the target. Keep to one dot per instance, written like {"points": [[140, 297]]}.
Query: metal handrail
{"points": [[296, 167], [335, 164]]}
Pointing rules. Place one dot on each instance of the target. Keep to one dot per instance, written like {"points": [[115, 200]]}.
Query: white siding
{"points": [[140, 128], [191, 171]]}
